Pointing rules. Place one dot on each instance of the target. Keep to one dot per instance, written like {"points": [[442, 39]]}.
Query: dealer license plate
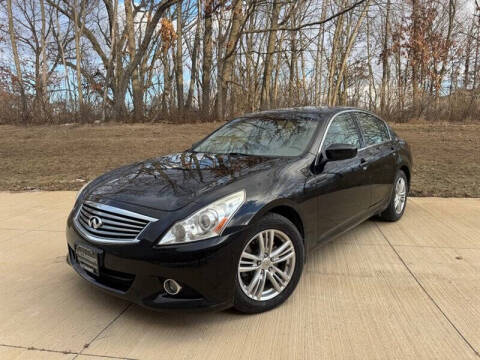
{"points": [[88, 258]]}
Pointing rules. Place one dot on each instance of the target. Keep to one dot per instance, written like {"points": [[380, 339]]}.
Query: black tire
{"points": [[271, 221], [391, 213]]}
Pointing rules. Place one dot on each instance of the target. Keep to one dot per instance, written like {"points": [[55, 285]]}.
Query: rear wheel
{"points": [[269, 266], [398, 200]]}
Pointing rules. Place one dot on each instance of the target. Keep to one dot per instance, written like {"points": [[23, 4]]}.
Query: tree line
{"points": [[200, 60]]}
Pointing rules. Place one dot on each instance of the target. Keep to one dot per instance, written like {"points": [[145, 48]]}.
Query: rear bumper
{"points": [[206, 271]]}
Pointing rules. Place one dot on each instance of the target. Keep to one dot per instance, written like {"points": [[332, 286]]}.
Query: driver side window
{"points": [[343, 130]]}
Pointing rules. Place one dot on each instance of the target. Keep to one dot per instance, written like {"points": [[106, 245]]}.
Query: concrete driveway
{"points": [[406, 290]]}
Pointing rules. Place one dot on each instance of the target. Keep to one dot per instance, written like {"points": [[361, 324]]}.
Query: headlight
{"points": [[81, 190], [205, 223]]}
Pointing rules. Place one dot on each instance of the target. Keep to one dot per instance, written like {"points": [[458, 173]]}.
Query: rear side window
{"points": [[375, 131], [343, 130]]}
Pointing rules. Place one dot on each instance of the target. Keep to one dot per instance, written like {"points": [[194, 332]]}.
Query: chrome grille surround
{"points": [[118, 225]]}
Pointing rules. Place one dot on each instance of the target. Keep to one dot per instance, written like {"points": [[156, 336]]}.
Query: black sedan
{"points": [[230, 221]]}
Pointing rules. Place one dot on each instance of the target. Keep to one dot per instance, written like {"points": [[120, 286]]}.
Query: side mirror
{"points": [[337, 152]]}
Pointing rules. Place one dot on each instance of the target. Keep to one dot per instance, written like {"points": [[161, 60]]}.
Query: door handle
{"points": [[363, 164]]}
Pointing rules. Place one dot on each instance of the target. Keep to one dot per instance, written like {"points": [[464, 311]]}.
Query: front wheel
{"points": [[398, 200], [269, 266]]}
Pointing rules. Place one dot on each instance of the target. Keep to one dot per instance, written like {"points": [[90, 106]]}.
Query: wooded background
{"points": [[64, 61]]}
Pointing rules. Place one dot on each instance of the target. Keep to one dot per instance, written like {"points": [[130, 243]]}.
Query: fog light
{"points": [[171, 287]]}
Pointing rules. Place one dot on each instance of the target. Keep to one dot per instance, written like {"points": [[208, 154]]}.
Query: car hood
{"points": [[170, 182]]}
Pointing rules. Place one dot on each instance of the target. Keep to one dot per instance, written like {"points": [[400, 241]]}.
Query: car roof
{"points": [[317, 112]]}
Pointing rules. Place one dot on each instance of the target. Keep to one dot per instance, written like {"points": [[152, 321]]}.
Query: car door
{"points": [[339, 186], [378, 156]]}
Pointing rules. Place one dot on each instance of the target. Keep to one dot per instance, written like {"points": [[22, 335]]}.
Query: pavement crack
{"points": [[87, 345], [66, 352], [33, 348], [104, 356], [428, 295]]}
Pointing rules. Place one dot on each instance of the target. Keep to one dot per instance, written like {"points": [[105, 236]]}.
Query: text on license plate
{"points": [[88, 259]]}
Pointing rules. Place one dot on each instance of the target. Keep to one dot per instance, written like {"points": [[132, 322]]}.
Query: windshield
{"points": [[263, 136]]}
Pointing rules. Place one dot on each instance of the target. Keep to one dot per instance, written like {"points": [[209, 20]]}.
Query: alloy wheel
{"points": [[400, 195], [266, 265]]}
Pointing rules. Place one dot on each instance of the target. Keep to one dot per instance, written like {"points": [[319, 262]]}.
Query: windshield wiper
{"points": [[235, 153]]}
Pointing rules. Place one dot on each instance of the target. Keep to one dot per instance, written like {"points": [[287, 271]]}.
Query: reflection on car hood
{"points": [[170, 182]]}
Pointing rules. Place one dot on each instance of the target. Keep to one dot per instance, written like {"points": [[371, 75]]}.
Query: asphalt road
{"points": [[407, 290]]}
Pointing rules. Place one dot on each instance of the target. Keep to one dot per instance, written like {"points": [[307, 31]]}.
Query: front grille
{"points": [[104, 223]]}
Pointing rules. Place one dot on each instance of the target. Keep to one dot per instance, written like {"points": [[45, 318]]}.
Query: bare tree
{"points": [[77, 14], [179, 57], [384, 56], [16, 59], [163, 59], [267, 73], [207, 56]]}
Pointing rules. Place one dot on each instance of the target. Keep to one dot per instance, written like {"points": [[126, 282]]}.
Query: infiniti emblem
{"points": [[95, 222]]}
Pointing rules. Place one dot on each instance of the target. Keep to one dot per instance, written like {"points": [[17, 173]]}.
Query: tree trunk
{"points": [[166, 96], [475, 66], [137, 80], [371, 84], [346, 54], [274, 99], [304, 98], [226, 70], [196, 44], [124, 74], [414, 61], [179, 58], [332, 65], [43, 83], [385, 68], [207, 58], [320, 52], [109, 78], [16, 59], [399, 80], [78, 55], [293, 62], [250, 73], [452, 4], [62, 54], [267, 73], [468, 53]]}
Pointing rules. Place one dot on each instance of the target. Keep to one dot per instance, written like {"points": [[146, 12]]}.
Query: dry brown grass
{"points": [[55, 157], [447, 156]]}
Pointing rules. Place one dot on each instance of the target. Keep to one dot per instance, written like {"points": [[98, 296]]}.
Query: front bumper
{"points": [[205, 269]]}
